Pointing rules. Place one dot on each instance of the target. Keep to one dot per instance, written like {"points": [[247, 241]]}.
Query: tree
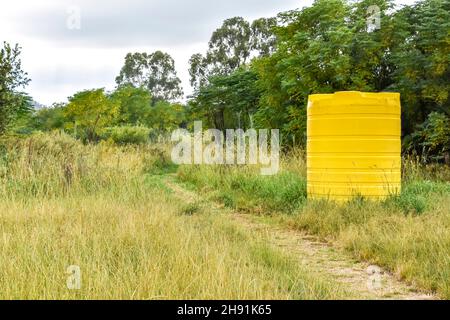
{"points": [[229, 100], [210, 101], [432, 138], [230, 47], [165, 116], [322, 49], [47, 119], [12, 102], [422, 60], [243, 95], [263, 38], [154, 72], [90, 111], [224, 87], [134, 104], [199, 71]]}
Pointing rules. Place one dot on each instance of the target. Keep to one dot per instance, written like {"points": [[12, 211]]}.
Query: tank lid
{"points": [[316, 97]]}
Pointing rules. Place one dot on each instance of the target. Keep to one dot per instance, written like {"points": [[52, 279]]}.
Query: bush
{"points": [[418, 196], [126, 135], [432, 139]]}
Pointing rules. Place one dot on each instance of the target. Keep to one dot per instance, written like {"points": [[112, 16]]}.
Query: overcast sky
{"points": [[62, 59]]}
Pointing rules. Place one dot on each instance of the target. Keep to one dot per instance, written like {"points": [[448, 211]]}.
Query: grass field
{"points": [[105, 209], [408, 234]]}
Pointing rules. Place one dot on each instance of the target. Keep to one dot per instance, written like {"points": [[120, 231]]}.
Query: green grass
{"points": [[418, 197], [244, 189], [409, 234]]}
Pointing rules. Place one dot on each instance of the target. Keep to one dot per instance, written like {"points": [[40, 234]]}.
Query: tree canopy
{"points": [[154, 72], [328, 47], [230, 47], [13, 103], [91, 110]]}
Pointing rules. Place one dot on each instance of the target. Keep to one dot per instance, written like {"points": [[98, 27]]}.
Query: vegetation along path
{"points": [[363, 281]]}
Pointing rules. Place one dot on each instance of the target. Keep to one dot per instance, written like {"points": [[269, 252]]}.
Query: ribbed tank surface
{"points": [[354, 145]]}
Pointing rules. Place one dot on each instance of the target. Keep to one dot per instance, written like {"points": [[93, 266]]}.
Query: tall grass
{"points": [[54, 165], [103, 209], [409, 233], [244, 189]]}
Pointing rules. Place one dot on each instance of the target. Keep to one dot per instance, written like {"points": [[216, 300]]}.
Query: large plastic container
{"points": [[354, 145]]}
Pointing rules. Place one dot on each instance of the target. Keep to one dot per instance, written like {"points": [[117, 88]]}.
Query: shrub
{"points": [[432, 139], [126, 135], [417, 196]]}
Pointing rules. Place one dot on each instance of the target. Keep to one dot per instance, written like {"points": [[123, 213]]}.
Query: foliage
{"points": [[125, 115], [421, 57], [432, 138], [126, 135], [229, 101], [13, 104], [154, 72], [230, 47], [90, 111], [263, 39], [47, 119], [166, 117], [325, 48], [134, 105]]}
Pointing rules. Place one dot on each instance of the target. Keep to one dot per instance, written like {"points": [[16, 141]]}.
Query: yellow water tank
{"points": [[354, 145]]}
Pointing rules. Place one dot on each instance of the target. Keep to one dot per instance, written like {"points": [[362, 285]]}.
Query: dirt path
{"points": [[362, 280]]}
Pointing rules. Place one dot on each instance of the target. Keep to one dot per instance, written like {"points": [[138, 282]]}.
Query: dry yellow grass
{"points": [[94, 207], [408, 234]]}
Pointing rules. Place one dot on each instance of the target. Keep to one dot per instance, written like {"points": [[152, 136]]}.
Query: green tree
{"points": [[91, 111], [47, 119], [231, 46], [13, 103], [199, 70], [228, 101], [166, 116], [421, 59], [432, 138], [155, 72], [321, 49], [210, 102], [225, 91], [243, 96], [134, 105], [228, 49], [263, 38]]}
